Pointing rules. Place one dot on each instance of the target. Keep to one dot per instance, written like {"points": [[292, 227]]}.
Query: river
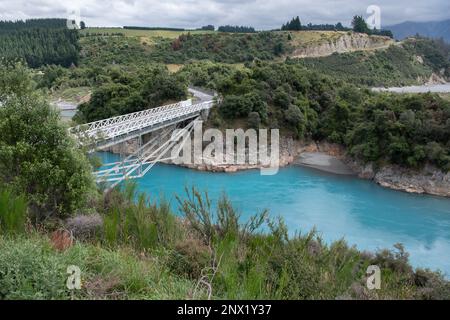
{"points": [[365, 214]]}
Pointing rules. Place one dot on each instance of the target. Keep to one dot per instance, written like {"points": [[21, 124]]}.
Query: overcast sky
{"points": [[194, 13]]}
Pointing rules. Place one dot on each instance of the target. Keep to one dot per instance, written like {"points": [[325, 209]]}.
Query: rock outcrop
{"points": [[429, 180], [347, 42], [289, 150]]}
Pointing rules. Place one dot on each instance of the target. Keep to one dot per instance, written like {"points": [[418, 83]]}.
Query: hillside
{"points": [[121, 46], [433, 29], [39, 42], [411, 62], [325, 43]]}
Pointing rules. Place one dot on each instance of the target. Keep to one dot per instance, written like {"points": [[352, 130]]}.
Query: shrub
{"points": [[37, 156], [142, 224], [31, 269], [13, 212]]}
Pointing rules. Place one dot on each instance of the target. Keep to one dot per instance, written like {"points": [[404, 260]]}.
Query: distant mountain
{"points": [[433, 29]]}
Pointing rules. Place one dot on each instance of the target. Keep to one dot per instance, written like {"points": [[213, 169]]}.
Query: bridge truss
{"points": [[145, 157]]}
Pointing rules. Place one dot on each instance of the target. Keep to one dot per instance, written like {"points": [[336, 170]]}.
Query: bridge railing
{"points": [[127, 117], [117, 126]]}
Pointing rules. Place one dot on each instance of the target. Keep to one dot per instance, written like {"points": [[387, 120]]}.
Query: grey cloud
{"points": [[194, 13]]}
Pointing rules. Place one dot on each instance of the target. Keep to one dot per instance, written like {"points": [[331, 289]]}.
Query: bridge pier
{"points": [[204, 114]]}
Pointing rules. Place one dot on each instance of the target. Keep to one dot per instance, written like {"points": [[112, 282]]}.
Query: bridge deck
{"points": [[108, 132]]}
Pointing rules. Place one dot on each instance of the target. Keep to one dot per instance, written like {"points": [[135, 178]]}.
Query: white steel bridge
{"points": [[103, 134]]}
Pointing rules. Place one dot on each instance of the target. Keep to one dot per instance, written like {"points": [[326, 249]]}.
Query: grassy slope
{"points": [[74, 95], [143, 33], [392, 66], [31, 269]]}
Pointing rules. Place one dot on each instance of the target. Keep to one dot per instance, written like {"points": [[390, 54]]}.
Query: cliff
{"points": [[327, 43]]}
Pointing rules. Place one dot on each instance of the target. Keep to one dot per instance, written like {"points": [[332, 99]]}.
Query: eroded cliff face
{"points": [[346, 42]]}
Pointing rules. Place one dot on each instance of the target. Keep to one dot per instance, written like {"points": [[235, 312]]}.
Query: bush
{"points": [[37, 156], [13, 212], [142, 224], [31, 269]]}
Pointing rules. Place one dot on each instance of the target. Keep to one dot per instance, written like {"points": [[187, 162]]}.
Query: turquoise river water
{"points": [[365, 214]]}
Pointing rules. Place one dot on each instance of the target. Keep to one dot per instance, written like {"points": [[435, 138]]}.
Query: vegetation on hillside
{"points": [[290, 95], [124, 91], [395, 66], [409, 130], [220, 47], [141, 250], [358, 25], [37, 157], [39, 42], [236, 29], [51, 23]]}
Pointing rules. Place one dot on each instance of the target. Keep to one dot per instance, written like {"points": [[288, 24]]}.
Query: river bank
{"points": [[331, 158], [428, 180]]}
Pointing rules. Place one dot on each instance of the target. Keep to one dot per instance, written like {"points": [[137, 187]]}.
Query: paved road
{"points": [[201, 95], [438, 88]]}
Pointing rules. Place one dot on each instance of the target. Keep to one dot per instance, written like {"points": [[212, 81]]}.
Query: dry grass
{"points": [[173, 68], [304, 38], [147, 34], [75, 95]]}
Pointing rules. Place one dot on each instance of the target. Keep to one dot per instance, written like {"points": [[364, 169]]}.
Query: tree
{"points": [[254, 120], [360, 25], [294, 25], [293, 115], [339, 27], [39, 44], [236, 29], [82, 25], [209, 27], [37, 156]]}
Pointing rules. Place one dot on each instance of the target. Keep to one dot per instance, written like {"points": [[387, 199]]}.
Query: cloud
{"points": [[195, 13]]}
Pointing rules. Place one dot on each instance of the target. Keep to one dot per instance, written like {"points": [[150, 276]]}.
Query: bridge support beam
{"points": [[204, 114]]}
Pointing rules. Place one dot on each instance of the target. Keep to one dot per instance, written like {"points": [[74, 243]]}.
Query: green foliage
{"points": [[152, 28], [395, 66], [37, 156], [360, 25], [211, 253], [31, 269], [408, 130], [13, 212], [124, 91], [254, 120], [236, 29], [142, 224], [39, 42], [218, 47], [52, 23], [293, 25], [248, 264]]}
